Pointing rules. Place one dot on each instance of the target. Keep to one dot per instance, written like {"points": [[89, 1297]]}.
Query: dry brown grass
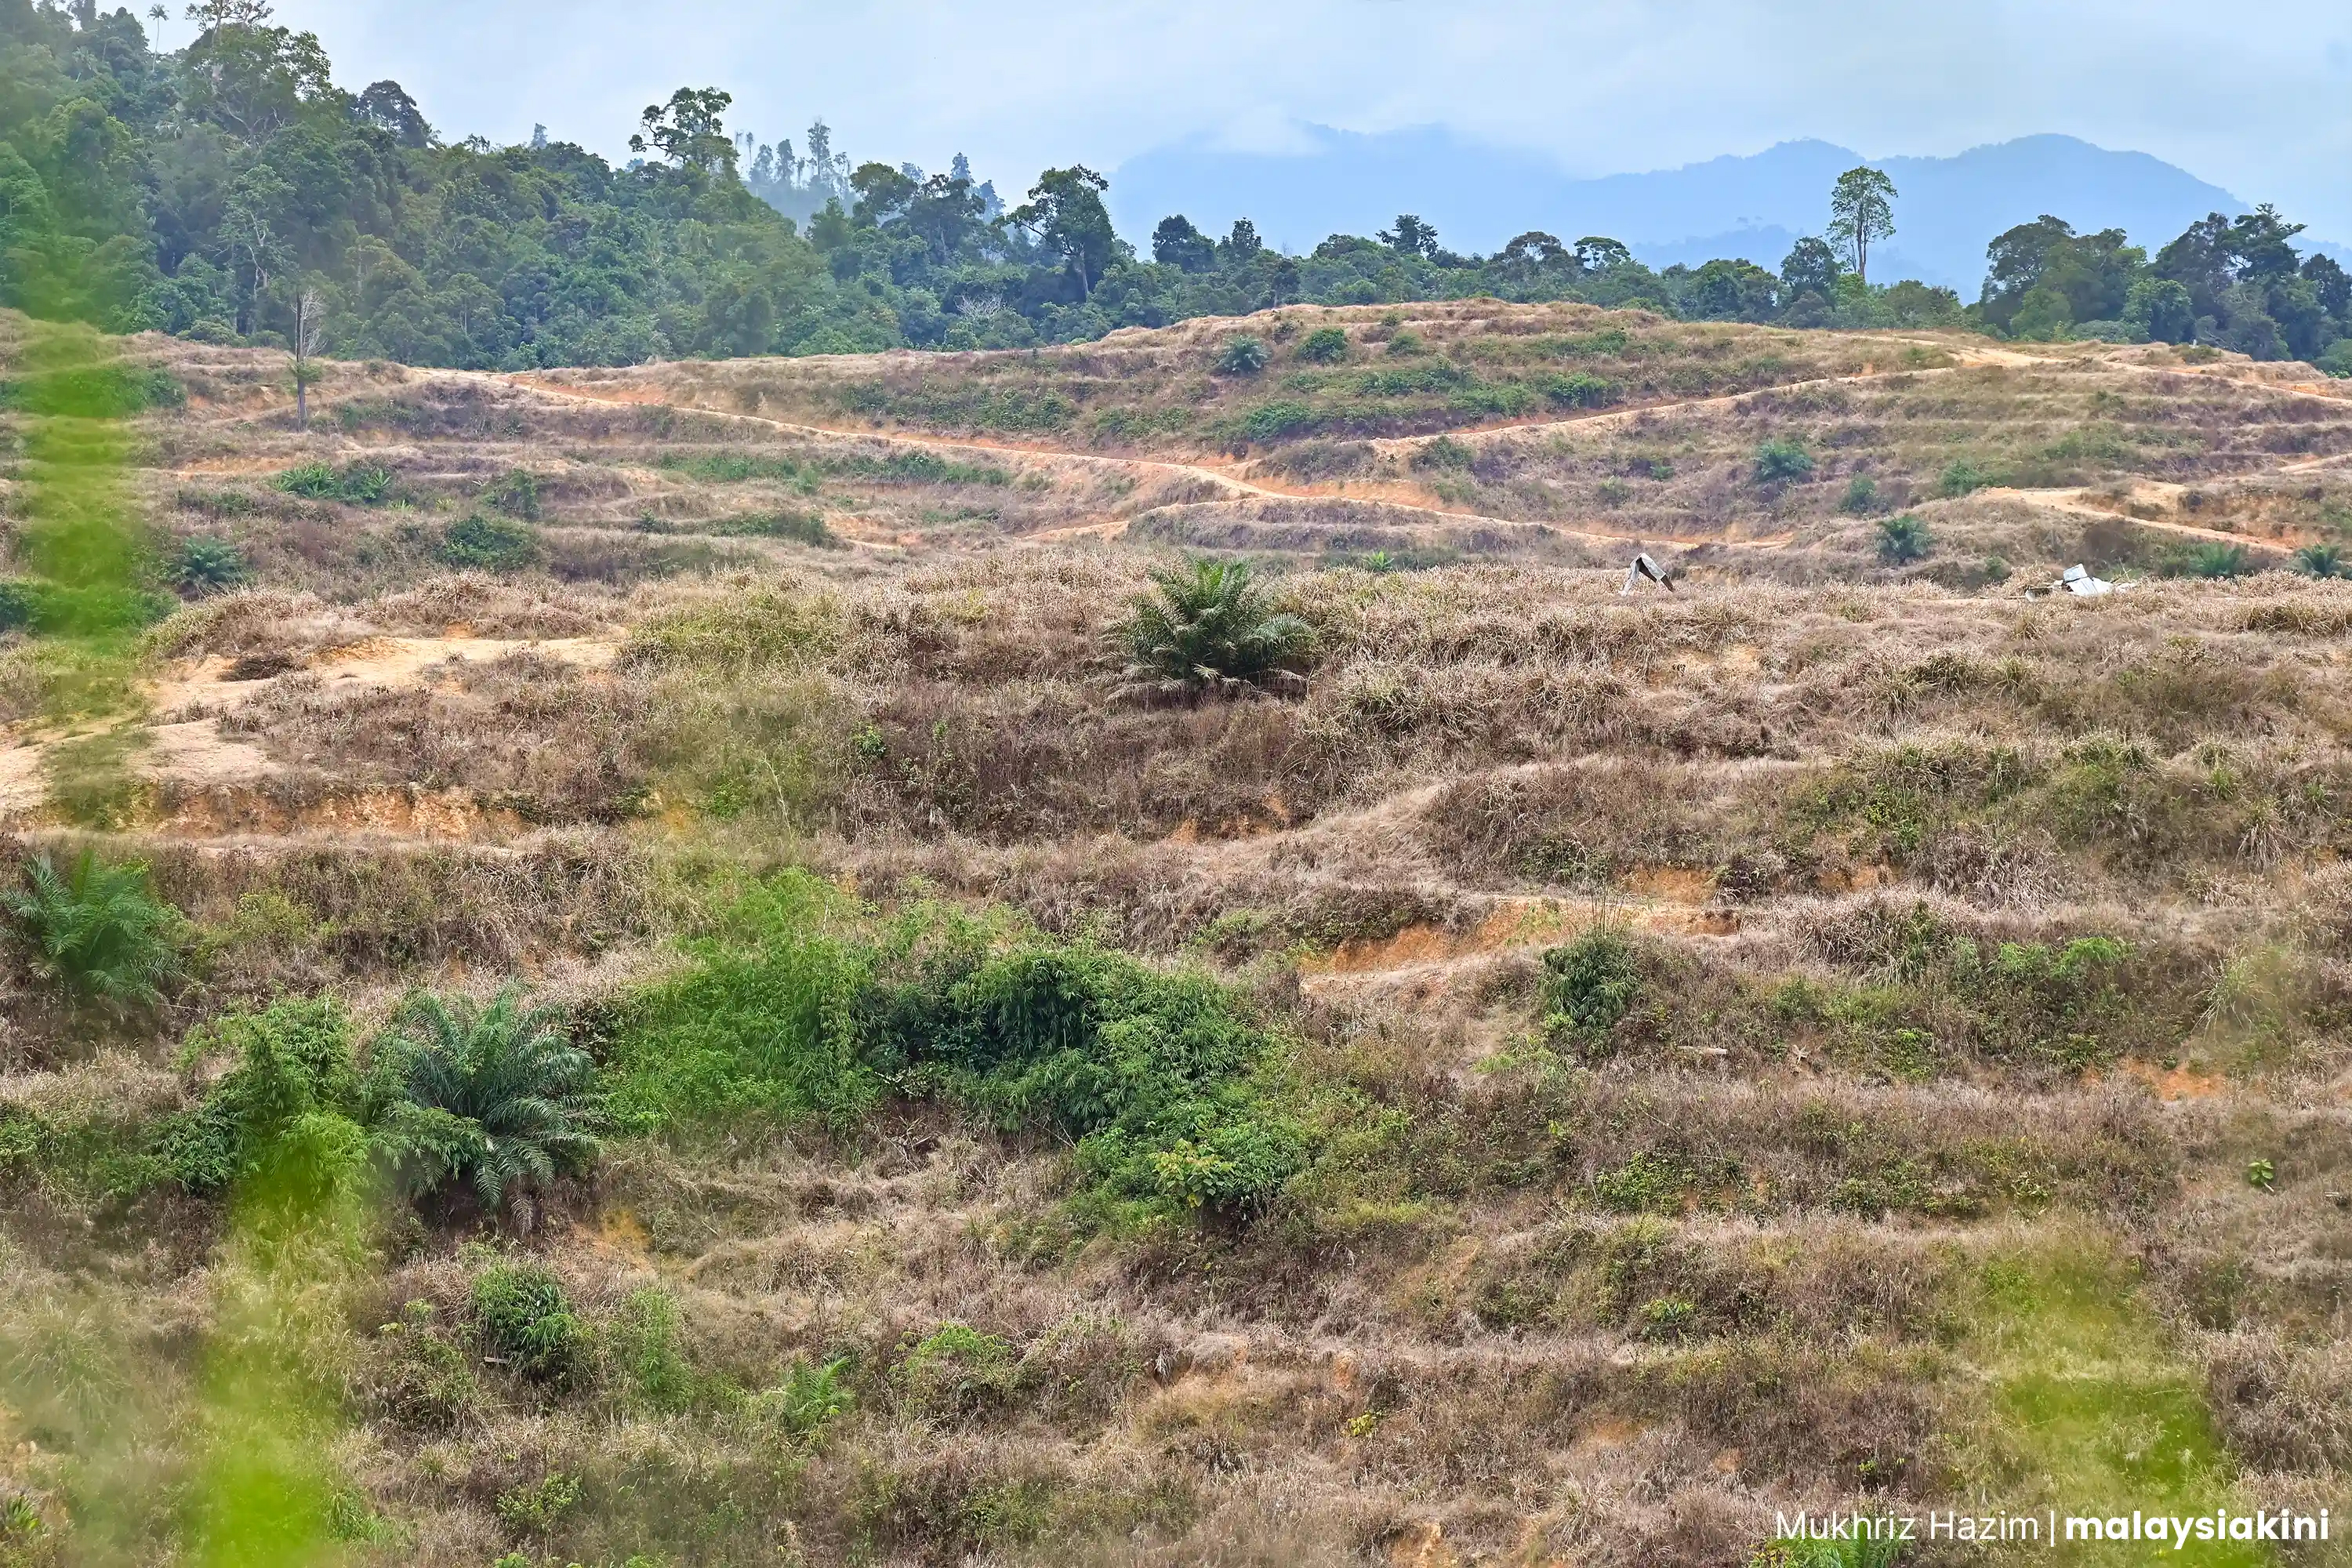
{"points": [[1610, 1298]]}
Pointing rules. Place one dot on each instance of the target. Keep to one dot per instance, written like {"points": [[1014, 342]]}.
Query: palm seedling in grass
{"points": [[1902, 539], [1244, 355], [97, 932], [1207, 626], [492, 1097], [2320, 561]]}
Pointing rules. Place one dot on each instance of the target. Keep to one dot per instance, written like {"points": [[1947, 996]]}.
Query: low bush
{"points": [[1242, 355], [526, 1323], [2211, 560], [492, 1098], [1861, 495], [287, 1116], [358, 485], [799, 1010], [957, 1371], [207, 564], [1324, 345], [515, 493], [1780, 461], [1272, 421], [1902, 540], [98, 933], [1579, 389], [2320, 561], [1445, 452], [1588, 984], [1208, 627], [1960, 477], [489, 543]]}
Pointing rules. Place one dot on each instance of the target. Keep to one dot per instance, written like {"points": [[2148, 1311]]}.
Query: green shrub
{"points": [[1272, 421], [2212, 560], [1579, 389], [360, 485], [515, 493], [1242, 355], [1590, 983], [801, 527], [735, 634], [812, 1395], [792, 1012], [1324, 345], [1960, 477], [489, 543], [1902, 539], [54, 609], [490, 1097], [1861, 495], [1781, 460], [2320, 561], [417, 1377], [1208, 626], [526, 1323], [99, 934], [112, 391], [758, 1027], [207, 565], [1147, 1073], [538, 1507], [1445, 452], [287, 1114]]}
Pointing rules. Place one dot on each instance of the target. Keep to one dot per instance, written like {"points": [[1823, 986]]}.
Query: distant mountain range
{"points": [[1754, 206]]}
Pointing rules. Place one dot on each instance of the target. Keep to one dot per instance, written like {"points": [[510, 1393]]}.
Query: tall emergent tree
{"points": [[1862, 209], [1066, 214]]}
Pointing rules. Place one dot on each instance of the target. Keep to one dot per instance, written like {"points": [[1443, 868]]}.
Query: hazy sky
{"points": [[2258, 100]]}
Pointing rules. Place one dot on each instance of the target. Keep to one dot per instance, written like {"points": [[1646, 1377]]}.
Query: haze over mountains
{"points": [[1752, 206]]}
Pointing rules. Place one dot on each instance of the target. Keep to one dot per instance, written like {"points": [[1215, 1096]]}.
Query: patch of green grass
{"points": [[2095, 1410], [799, 1008], [359, 484], [489, 544]]}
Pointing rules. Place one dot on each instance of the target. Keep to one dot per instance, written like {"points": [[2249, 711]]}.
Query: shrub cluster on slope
{"points": [[800, 1008]]}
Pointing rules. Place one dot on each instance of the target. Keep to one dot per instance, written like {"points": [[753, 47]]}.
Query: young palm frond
{"points": [[489, 1096], [1208, 627], [97, 932]]}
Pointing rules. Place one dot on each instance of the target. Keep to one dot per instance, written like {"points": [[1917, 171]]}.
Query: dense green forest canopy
{"points": [[202, 191]]}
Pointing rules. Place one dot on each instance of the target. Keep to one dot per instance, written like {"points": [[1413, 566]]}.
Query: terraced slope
{"points": [[1844, 1035]]}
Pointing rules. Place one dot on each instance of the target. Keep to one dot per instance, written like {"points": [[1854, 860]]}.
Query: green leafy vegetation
{"points": [[1590, 984], [358, 485], [1777, 462], [1242, 355], [526, 1321], [1209, 625], [489, 543], [98, 933], [797, 1013], [1902, 540], [1324, 345], [491, 1098], [207, 565]]}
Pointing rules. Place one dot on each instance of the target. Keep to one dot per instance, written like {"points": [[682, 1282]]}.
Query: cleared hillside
{"points": [[1846, 1033]]}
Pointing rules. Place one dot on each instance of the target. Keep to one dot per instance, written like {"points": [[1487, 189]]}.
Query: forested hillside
{"points": [[207, 192]]}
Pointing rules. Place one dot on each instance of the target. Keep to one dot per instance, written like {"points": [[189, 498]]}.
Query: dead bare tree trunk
{"points": [[309, 333]]}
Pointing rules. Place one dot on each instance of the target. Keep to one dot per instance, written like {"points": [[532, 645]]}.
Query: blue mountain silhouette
{"points": [[1753, 206]]}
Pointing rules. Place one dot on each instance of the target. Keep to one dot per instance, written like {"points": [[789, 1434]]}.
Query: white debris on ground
{"points": [[1643, 567]]}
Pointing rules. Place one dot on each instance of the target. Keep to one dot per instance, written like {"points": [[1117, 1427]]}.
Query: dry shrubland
{"points": [[1719, 1051]]}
